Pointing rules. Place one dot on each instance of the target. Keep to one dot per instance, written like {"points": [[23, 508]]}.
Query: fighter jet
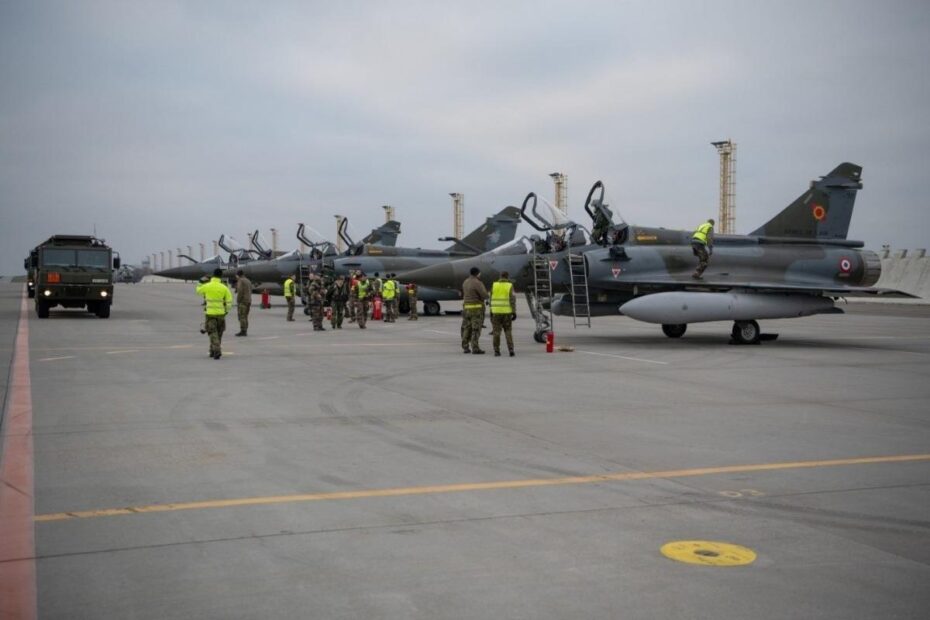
{"points": [[131, 274], [321, 252], [498, 229], [195, 270], [796, 264]]}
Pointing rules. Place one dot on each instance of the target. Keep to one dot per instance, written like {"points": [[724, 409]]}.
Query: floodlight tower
{"points": [[561, 191], [340, 247], [274, 241], [727, 217], [201, 252], [458, 215], [161, 263], [170, 260], [216, 248], [388, 213], [179, 257]]}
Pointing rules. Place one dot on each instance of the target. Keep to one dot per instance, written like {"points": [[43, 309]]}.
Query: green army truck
{"points": [[72, 271]]}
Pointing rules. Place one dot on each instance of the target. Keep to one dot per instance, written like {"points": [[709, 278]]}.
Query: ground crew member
{"points": [[217, 302], [474, 294], [503, 311], [290, 289], [243, 301], [353, 296], [702, 244], [338, 295], [362, 296], [389, 293], [412, 301], [376, 285], [315, 304], [394, 310]]}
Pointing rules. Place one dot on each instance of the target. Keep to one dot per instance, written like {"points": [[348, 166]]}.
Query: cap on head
{"points": [[474, 271], [711, 220], [239, 272], [217, 272], [505, 274]]}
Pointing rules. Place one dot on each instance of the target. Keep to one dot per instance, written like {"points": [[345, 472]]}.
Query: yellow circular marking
{"points": [[708, 553]]}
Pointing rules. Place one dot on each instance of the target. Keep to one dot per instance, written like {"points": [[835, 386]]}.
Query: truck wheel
{"points": [[103, 310], [42, 309], [431, 308], [746, 332], [674, 330], [30, 293]]}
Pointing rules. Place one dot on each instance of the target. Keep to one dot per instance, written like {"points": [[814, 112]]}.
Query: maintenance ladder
{"points": [[581, 304], [541, 294]]}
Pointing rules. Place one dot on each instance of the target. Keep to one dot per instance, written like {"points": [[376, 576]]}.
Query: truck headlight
{"points": [[30, 283], [47, 293], [103, 293]]}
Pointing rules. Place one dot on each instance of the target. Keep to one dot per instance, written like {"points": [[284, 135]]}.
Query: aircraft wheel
{"points": [[307, 310], [674, 330], [42, 309], [403, 307], [103, 310], [431, 308], [746, 332], [539, 337]]}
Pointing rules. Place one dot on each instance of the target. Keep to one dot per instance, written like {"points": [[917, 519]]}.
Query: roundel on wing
{"points": [[818, 212], [845, 265]]}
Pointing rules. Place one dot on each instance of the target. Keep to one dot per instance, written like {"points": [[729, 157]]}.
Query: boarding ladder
{"points": [[581, 304], [539, 297]]}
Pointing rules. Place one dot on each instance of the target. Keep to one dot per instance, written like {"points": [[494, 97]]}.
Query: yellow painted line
{"points": [[475, 486], [623, 357]]}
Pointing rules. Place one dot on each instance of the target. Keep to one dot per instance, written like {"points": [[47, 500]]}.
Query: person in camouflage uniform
{"points": [[315, 303], [412, 301], [243, 301], [338, 294], [352, 305], [474, 295]]}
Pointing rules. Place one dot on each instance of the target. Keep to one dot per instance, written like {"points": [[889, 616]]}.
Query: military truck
{"points": [[72, 271]]}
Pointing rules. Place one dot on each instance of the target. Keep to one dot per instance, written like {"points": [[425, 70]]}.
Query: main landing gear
{"points": [[744, 332]]}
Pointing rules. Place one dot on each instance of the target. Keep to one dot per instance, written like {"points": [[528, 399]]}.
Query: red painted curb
{"points": [[17, 501]]}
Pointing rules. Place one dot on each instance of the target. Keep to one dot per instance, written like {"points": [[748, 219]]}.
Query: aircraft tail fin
{"points": [[497, 230], [385, 234], [823, 211]]}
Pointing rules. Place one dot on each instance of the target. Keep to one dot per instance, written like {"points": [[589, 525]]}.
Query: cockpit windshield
{"points": [[292, 255], [551, 215], [314, 236], [523, 245]]}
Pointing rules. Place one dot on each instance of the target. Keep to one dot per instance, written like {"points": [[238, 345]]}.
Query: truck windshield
{"points": [[93, 258], [97, 259]]}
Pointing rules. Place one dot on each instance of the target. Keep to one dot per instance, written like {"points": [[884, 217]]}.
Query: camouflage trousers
{"points": [[339, 312], [501, 322], [290, 308], [390, 310], [700, 250], [472, 322], [215, 326], [361, 312], [352, 308], [244, 317], [316, 315], [412, 315]]}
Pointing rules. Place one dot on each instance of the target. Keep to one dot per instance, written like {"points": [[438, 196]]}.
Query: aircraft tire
{"points": [[539, 337], [746, 332], [403, 307], [431, 308], [42, 309], [673, 330], [307, 310]]}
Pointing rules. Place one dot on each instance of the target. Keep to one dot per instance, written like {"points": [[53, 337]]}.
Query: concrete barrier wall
{"points": [[906, 270]]}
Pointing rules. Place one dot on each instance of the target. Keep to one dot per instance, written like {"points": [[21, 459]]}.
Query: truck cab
{"points": [[72, 271]]}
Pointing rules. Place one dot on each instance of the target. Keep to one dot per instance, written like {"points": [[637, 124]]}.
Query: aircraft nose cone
{"points": [[185, 272]]}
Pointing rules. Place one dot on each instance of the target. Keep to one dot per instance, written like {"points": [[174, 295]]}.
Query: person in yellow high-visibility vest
{"points": [[702, 244], [218, 300], [363, 295], [389, 295], [290, 290], [503, 312]]}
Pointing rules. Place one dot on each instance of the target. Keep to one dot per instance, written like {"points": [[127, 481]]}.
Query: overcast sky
{"points": [[167, 123]]}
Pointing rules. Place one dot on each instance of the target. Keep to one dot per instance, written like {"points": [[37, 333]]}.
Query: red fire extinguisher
{"points": [[266, 302], [376, 310], [329, 313], [550, 342]]}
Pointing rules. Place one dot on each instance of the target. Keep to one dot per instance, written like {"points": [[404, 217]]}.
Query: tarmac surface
{"points": [[380, 473]]}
